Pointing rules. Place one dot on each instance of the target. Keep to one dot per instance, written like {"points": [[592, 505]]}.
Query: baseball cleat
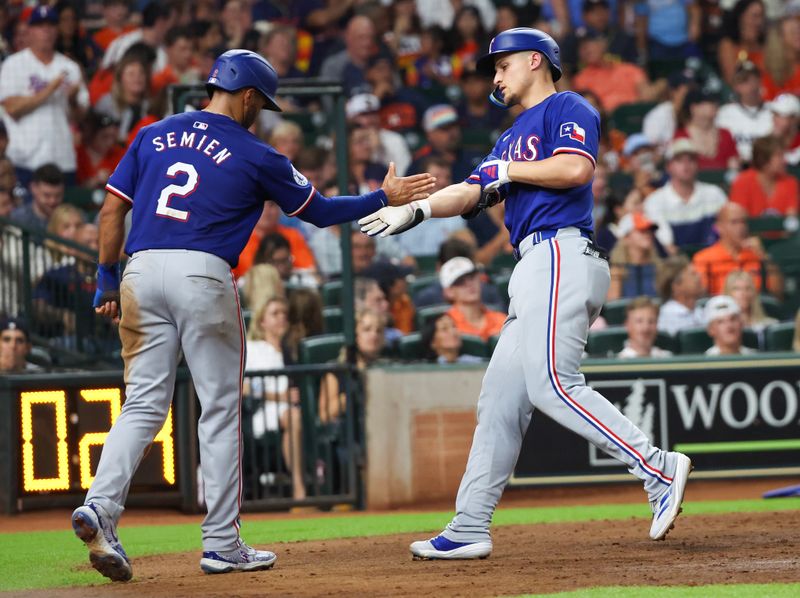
{"points": [[668, 506], [241, 558], [442, 548], [97, 530]]}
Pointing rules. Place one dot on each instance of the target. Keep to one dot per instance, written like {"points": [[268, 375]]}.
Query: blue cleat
{"points": [[97, 530], [442, 548]]}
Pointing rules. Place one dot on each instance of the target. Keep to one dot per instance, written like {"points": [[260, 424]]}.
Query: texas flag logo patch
{"points": [[573, 131]]}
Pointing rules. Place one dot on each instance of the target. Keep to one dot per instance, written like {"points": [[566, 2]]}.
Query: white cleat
{"points": [[96, 529], [668, 506], [442, 548], [241, 558]]}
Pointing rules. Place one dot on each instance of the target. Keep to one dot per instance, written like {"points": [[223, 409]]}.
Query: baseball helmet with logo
{"points": [[237, 69], [520, 39]]}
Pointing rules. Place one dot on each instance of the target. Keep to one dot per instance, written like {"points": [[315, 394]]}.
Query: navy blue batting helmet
{"points": [[520, 39], [237, 69]]}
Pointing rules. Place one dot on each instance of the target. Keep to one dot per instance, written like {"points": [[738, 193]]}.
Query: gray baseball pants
{"points": [[175, 300], [556, 292]]}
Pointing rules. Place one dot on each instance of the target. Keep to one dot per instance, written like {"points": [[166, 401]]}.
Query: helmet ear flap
{"points": [[496, 98]]}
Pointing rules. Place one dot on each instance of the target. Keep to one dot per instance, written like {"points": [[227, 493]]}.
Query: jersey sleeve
{"points": [[122, 181], [496, 154], [12, 80], [574, 128]]}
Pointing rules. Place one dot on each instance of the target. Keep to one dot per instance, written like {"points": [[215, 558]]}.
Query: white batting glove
{"points": [[494, 174], [393, 220]]}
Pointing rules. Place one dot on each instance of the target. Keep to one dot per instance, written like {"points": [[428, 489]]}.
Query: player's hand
{"points": [[106, 297], [402, 190], [393, 220], [494, 174]]}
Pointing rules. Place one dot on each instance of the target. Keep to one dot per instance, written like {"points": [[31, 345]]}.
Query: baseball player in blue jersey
{"points": [[542, 167], [196, 183]]}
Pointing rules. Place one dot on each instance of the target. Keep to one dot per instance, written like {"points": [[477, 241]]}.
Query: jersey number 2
{"points": [[170, 191]]}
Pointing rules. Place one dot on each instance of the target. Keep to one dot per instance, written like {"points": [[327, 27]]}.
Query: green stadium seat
{"points": [[614, 311], [628, 118], [430, 313], [766, 224], [410, 347], [81, 197], [714, 177], [606, 343], [331, 293], [694, 340], [426, 264], [779, 337], [503, 261], [493, 343], [477, 139], [474, 345], [772, 307], [332, 319], [421, 282], [501, 281], [321, 348], [667, 342], [620, 182]]}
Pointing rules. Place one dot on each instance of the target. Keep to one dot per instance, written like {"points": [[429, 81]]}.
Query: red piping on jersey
{"points": [[575, 150], [304, 204], [118, 193]]}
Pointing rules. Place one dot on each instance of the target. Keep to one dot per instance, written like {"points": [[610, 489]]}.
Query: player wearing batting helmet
{"points": [[196, 184], [542, 168]]}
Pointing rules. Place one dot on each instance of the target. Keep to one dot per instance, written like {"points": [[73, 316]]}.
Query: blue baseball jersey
{"points": [[563, 123], [199, 180]]}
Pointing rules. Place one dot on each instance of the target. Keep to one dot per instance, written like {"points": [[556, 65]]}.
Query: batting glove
{"points": [[107, 284], [395, 220], [494, 174]]}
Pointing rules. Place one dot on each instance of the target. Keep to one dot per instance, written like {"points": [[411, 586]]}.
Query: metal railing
{"points": [[50, 283]]}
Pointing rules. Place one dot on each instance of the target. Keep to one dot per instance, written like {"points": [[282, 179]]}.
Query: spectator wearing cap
{"points": [[724, 326], [614, 83], [475, 113], [178, 44], [785, 111], [597, 19], [461, 285], [157, 19], [440, 123], [641, 318], [661, 122], [745, 28], [689, 206], [736, 250], [680, 287], [47, 191], [349, 65], [666, 31], [15, 345], [641, 162], [99, 152], [766, 189], [748, 118], [716, 148], [363, 111], [39, 85], [634, 259], [782, 59]]}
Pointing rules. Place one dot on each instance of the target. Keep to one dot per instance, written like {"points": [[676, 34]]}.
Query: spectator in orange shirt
{"points": [[735, 251], [99, 153], [782, 58], [302, 257], [615, 83], [766, 188], [179, 47], [461, 286], [115, 15]]}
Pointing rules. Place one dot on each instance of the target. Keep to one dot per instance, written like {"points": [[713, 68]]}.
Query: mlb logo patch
{"points": [[200, 125], [573, 131]]}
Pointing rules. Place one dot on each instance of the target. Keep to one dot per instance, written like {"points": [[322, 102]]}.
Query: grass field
{"points": [[22, 553]]}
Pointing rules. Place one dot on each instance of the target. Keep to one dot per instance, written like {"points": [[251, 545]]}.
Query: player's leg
{"points": [[557, 323], [205, 302], [504, 413], [149, 350]]}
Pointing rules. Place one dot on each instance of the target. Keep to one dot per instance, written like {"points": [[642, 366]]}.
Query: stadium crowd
{"points": [[696, 188]]}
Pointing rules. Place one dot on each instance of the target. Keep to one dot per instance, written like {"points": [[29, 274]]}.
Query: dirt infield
{"points": [[753, 548]]}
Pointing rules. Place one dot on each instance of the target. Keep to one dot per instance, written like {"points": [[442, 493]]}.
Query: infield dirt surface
{"points": [[702, 549]]}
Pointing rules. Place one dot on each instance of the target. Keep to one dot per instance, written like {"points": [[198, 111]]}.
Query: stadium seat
{"points": [[321, 348], [430, 313], [421, 282], [628, 118], [331, 292], [614, 311], [332, 319], [772, 307], [82, 198], [410, 347], [770, 226], [606, 343], [493, 343], [501, 282], [620, 182], [667, 342], [780, 336], [695, 340], [474, 345], [426, 264], [503, 261], [714, 177]]}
